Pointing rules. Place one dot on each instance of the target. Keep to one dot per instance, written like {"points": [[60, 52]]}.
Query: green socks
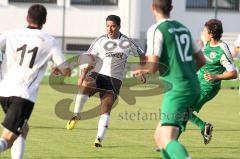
{"points": [[164, 154], [175, 150], [197, 121]]}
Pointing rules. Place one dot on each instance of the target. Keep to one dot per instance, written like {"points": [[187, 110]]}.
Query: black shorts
{"points": [[106, 84], [18, 111]]}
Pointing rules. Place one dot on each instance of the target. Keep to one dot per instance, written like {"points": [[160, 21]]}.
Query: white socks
{"points": [[81, 99], [18, 148], [102, 126], [3, 145]]}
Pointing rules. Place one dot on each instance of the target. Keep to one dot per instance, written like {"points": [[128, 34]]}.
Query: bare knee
{"points": [[88, 87], [156, 136], [9, 136], [167, 134], [107, 102]]}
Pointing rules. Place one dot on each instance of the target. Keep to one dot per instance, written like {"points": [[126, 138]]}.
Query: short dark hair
{"points": [[164, 6], [37, 14], [215, 28], [115, 19]]}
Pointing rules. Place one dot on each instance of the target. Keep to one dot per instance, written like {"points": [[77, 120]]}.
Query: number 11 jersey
{"points": [[27, 52]]}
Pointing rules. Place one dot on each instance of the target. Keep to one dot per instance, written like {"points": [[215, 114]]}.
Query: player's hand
{"points": [[80, 81], [140, 74], [66, 72], [209, 77], [56, 71], [143, 78]]}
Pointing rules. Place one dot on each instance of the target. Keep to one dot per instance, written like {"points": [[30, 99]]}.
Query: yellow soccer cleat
{"points": [[71, 124], [97, 143]]}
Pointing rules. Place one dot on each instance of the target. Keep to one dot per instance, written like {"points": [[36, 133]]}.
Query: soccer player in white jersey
{"points": [[27, 52], [110, 52]]}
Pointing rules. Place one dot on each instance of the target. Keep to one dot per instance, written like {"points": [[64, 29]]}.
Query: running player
{"points": [[170, 43], [27, 51], [219, 66], [110, 52]]}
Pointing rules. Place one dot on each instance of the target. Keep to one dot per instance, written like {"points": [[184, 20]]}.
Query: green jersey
{"points": [[173, 43], [218, 60]]}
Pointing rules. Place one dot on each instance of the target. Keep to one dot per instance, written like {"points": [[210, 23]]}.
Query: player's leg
{"points": [[18, 148], [15, 121], [207, 93], [197, 121], [168, 142], [7, 139], [110, 89], [107, 101], [174, 116], [204, 97], [87, 89], [206, 128]]}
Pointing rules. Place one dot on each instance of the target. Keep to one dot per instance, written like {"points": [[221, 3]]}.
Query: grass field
{"points": [[130, 132]]}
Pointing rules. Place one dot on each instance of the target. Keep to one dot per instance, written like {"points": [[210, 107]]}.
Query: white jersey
{"points": [[237, 42], [27, 52], [112, 54]]}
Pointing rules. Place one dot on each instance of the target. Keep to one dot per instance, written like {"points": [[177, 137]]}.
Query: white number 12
{"points": [[183, 40]]}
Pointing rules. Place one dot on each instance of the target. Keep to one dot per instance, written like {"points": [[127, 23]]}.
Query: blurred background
{"points": [[75, 23]]}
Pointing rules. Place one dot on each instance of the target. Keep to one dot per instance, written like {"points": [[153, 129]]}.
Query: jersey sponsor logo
{"points": [[111, 45], [115, 54], [213, 55], [180, 29], [208, 58]]}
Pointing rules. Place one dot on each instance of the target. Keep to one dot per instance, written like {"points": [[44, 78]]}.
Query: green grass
{"points": [[128, 136]]}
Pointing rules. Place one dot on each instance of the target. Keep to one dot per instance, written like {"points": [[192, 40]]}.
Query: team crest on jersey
{"points": [[213, 55]]}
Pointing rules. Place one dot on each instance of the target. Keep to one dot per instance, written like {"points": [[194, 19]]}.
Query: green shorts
{"points": [[207, 93], [177, 108]]}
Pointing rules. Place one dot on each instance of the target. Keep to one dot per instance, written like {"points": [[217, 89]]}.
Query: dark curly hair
{"points": [[215, 28]]}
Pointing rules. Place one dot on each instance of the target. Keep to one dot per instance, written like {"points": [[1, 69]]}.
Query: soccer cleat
{"points": [[71, 124], [97, 143], [207, 133]]}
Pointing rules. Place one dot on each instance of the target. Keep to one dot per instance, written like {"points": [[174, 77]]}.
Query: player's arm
{"points": [[198, 54], [136, 50], [154, 50], [227, 62], [1, 57], [87, 60], [230, 73], [61, 66], [61, 71], [86, 64], [199, 59], [2, 45]]}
